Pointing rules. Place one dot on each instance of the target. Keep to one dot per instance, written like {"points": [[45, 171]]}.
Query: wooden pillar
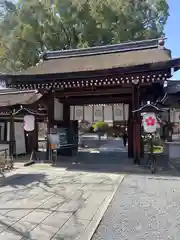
{"points": [[11, 137], [66, 112], [136, 125], [130, 133], [72, 131], [35, 136], [50, 111], [170, 127], [50, 115]]}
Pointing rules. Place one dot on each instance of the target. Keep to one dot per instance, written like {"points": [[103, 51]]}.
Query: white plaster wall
{"points": [[58, 110], [19, 138]]}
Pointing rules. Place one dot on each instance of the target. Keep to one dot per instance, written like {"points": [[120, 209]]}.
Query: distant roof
{"points": [[173, 87], [10, 97], [172, 93], [100, 58]]}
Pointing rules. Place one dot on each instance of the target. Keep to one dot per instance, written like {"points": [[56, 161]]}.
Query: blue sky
{"points": [[172, 31]]}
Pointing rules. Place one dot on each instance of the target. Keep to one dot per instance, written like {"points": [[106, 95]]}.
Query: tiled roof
{"points": [[99, 61]]}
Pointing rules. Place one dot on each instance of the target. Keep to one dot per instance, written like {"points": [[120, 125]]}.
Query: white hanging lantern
{"points": [[29, 123], [149, 122]]}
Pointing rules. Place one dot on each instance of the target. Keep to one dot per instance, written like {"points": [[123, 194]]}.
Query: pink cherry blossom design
{"points": [[150, 121]]}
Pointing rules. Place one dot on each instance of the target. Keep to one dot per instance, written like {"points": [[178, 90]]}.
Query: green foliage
{"points": [[27, 28], [101, 126]]}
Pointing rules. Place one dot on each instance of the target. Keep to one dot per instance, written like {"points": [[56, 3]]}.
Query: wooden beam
{"points": [[93, 92], [96, 100]]}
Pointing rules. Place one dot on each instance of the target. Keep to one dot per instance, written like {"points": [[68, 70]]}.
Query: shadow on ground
{"points": [[23, 179], [116, 163], [16, 193]]}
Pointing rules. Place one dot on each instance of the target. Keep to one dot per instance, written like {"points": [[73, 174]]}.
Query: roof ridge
{"points": [[121, 47]]}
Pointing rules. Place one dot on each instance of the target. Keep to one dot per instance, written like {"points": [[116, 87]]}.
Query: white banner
{"points": [[118, 112], [88, 114], [108, 113], [126, 112], [78, 112], [98, 113]]}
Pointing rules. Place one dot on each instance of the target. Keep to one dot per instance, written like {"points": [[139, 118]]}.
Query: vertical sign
{"points": [[78, 113], [98, 113], [118, 112]]}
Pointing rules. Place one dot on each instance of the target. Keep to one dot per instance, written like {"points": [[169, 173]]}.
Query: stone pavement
{"points": [[52, 203], [143, 208]]}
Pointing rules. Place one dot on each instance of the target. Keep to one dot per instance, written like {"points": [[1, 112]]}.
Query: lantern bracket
{"points": [[148, 105], [27, 110]]}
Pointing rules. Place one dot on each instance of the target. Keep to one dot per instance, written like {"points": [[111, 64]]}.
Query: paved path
{"points": [[111, 152], [42, 203], [144, 208], [114, 145]]}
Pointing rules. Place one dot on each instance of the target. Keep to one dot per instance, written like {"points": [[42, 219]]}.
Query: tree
{"points": [[28, 28], [100, 128]]}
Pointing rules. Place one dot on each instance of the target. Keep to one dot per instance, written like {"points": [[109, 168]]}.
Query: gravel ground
{"points": [[144, 207]]}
